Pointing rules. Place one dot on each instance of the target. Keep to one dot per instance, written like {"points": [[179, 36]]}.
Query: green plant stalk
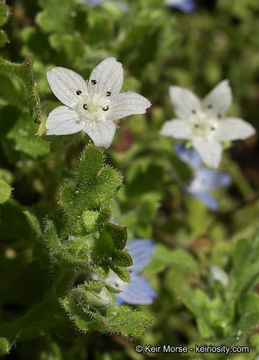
{"points": [[24, 73]]}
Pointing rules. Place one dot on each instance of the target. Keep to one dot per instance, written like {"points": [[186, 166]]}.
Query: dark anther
{"points": [[106, 108], [212, 128], [209, 106], [108, 93], [85, 106], [116, 285], [93, 82], [196, 126], [219, 116], [194, 111], [78, 92]]}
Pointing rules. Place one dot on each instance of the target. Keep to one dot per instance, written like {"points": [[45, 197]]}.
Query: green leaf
{"points": [[92, 310], [5, 191], [4, 346], [23, 135], [245, 270], [4, 11], [247, 324], [52, 238], [178, 259], [24, 74], [6, 175], [249, 304], [205, 330], [105, 188], [118, 234], [123, 320], [34, 222], [67, 197], [89, 218], [91, 162], [55, 16], [3, 38]]}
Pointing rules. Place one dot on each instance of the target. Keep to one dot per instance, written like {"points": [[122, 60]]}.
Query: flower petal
{"points": [[141, 251], [118, 299], [185, 102], [207, 179], [176, 128], [207, 199], [102, 133], [218, 101], [65, 83], [210, 151], [234, 129], [138, 292], [190, 156], [107, 76], [63, 121], [127, 103], [183, 5]]}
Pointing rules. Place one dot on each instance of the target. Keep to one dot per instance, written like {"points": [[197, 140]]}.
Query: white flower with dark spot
{"points": [[92, 107], [204, 123]]}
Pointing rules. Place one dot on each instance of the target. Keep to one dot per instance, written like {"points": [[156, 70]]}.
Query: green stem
{"points": [[24, 73]]}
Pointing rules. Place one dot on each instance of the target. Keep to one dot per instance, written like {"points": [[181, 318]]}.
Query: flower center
{"points": [[92, 108], [202, 125]]}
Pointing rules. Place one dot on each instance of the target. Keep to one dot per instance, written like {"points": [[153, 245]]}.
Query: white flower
{"points": [[92, 107], [204, 122]]}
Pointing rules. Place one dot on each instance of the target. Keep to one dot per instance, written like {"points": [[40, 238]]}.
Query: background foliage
{"points": [[206, 264]]}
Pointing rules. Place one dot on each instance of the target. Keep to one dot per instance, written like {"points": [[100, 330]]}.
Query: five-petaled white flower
{"points": [[92, 107], [204, 122]]}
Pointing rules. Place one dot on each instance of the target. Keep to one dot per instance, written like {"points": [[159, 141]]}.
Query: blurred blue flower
{"points": [[204, 179], [139, 291], [183, 5], [92, 3]]}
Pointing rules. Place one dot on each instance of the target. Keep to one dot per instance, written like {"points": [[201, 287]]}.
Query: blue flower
{"points": [[204, 179], [92, 3], [139, 291], [186, 6]]}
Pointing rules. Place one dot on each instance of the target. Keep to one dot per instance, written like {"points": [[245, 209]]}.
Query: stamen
{"points": [[108, 93], [93, 82], [106, 108], [194, 111], [85, 107], [196, 126], [212, 128], [219, 116], [116, 285], [209, 106], [78, 92]]}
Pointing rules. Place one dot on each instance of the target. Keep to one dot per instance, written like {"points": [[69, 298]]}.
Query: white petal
{"points": [[63, 121], [185, 102], [234, 129], [210, 151], [176, 128], [102, 133], [64, 83], [218, 101], [127, 103], [107, 76]]}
